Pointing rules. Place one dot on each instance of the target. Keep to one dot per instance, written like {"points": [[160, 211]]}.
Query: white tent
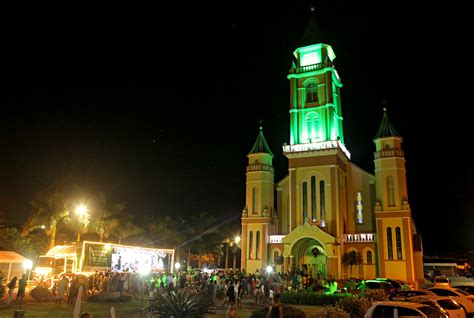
{"points": [[11, 264]]}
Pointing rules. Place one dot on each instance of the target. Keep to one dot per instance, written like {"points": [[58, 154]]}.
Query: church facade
{"points": [[327, 215]]}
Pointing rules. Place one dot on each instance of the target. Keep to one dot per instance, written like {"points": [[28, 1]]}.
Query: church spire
{"points": [[261, 145], [386, 128], [312, 35]]}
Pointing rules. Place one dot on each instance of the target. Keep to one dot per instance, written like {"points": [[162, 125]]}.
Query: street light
{"points": [[269, 269], [27, 265], [177, 266], [81, 211], [237, 239]]}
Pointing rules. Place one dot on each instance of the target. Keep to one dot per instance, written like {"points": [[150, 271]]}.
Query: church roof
{"points": [[386, 128], [260, 145], [312, 35]]}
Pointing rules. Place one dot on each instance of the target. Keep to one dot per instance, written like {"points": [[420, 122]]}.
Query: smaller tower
{"points": [[395, 227], [258, 211]]}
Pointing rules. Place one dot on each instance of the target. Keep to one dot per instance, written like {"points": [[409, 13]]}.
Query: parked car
{"points": [[441, 281], [397, 309], [377, 284], [464, 299], [444, 304], [467, 288], [403, 295]]}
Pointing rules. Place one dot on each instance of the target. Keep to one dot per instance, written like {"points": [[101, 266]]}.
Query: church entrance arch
{"points": [[310, 256]]}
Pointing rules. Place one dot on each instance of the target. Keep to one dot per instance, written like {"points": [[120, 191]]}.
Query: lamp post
{"points": [[81, 211], [234, 251], [27, 265]]}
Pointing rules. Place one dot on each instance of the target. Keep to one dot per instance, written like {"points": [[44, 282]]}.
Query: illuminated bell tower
{"points": [[315, 102], [395, 227], [258, 212]]}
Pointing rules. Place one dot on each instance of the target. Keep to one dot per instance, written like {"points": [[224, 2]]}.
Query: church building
{"points": [[327, 215]]}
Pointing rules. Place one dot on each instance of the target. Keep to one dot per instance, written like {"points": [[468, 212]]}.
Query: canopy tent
{"points": [[11, 264]]}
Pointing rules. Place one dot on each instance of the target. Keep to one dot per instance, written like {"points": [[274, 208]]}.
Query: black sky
{"points": [[158, 107]]}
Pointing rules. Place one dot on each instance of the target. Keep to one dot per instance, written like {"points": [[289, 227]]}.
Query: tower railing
{"points": [[359, 238], [313, 146], [310, 68]]}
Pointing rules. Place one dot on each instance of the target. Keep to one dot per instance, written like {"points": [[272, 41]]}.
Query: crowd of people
{"points": [[225, 290]]}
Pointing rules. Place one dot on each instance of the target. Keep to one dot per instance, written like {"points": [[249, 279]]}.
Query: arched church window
{"points": [[254, 200], [311, 92], [322, 202], [390, 191], [305, 202], [389, 243], [257, 246], [312, 126], [276, 257], [251, 245], [313, 198], [369, 257], [398, 239]]}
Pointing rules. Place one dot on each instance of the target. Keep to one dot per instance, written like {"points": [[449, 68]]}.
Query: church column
{"points": [[285, 263], [292, 260]]}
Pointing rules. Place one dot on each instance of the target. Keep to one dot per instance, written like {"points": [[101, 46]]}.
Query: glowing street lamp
{"points": [[27, 265], [81, 211], [177, 266], [269, 269], [237, 239]]}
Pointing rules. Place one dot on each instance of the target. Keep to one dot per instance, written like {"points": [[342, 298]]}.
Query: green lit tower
{"points": [[315, 102]]}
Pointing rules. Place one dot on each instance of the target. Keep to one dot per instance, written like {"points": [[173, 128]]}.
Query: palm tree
{"points": [[105, 218], [126, 228], [50, 208], [203, 236], [351, 258]]}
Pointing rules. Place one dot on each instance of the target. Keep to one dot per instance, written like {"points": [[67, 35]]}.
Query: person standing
{"points": [[62, 289], [276, 309], [21, 289], [11, 288]]}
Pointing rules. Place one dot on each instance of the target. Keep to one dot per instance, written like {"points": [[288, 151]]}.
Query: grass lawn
{"points": [[50, 309]]}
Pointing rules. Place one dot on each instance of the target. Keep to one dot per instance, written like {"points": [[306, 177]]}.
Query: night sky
{"points": [[159, 108]]}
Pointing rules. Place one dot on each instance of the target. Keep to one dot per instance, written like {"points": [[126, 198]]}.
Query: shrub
{"points": [[356, 306], [178, 304], [291, 312], [333, 312], [376, 295], [310, 298], [41, 293]]}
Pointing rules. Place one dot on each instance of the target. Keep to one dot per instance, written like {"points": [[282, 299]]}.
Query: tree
{"points": [[31, 245], [126, 228], [351, 258], [50, 208], [203, 236], [105, 217]]}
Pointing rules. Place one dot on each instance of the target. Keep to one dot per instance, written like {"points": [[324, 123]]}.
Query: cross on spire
{"points": [[384, 103], [261, 123]]}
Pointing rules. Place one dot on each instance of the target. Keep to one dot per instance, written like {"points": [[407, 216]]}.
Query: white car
{"points": [[441, 281], [398, 309], [445, 304], [465, 300], [403, 295]]}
